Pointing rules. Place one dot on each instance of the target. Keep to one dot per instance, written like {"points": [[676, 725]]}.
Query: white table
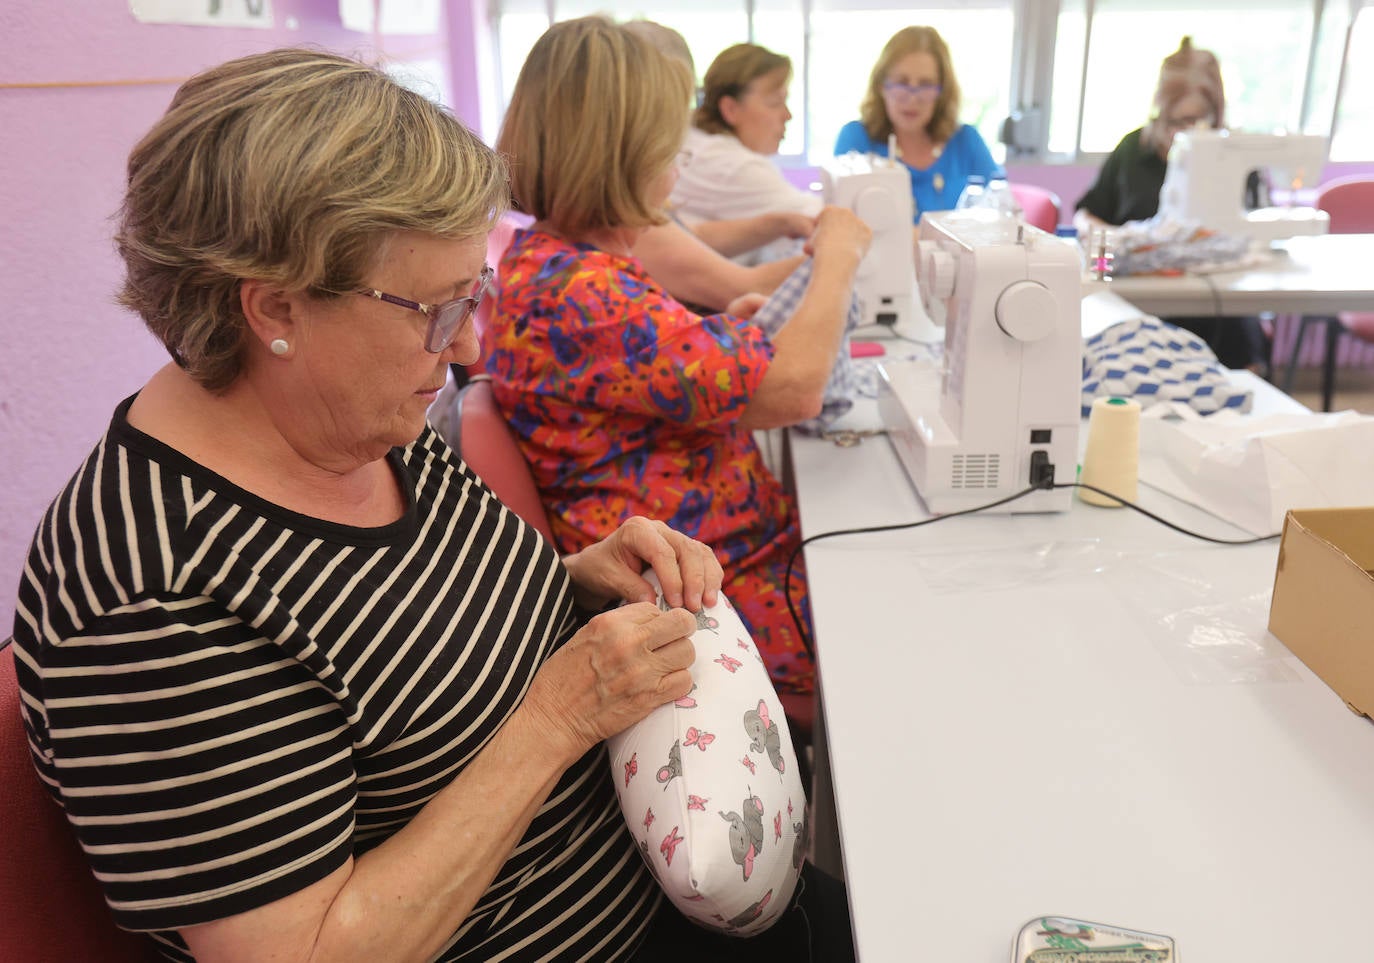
{"points": [[1309, 275], [1075, 714]]}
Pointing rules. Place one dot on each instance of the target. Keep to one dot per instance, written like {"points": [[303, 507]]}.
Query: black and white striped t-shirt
{"points": [[229, 698]]}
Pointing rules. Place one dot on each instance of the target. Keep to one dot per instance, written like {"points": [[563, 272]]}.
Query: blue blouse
{"points": [[937, 188]]}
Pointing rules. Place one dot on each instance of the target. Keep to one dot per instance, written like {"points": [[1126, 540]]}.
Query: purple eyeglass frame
{"points": [[445, 319]]}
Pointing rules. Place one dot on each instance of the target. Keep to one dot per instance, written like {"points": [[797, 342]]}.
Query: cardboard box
{"points": [[1323, 604]]}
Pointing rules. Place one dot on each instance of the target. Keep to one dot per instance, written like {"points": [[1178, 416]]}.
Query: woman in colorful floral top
{"points": [[624, 401]]}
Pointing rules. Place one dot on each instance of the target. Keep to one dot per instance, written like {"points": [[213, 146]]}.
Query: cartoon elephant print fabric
{"points": [[710, 788]]}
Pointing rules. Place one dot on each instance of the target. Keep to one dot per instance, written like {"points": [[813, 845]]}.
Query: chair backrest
{"points": [[1039, 206], [51, 908], [475, 428], [1350, 202], [502, 233]]}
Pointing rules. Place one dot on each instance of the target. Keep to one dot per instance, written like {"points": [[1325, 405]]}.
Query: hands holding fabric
{"points": [[625, 663], [610, 569], [839, 230]]}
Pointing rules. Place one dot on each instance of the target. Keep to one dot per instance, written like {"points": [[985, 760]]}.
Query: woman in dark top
{"points": [[1189, 94]]}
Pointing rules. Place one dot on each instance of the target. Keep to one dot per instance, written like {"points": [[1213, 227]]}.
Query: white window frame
{"points": [[1031, 70]]}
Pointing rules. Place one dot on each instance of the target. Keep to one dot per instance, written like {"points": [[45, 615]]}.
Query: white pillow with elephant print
{"points": [[710, 789]]}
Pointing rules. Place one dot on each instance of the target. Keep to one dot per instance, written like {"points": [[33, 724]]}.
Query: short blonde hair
{"points": [[909, 40], [734, 69], [596, 116], [290, 167]]}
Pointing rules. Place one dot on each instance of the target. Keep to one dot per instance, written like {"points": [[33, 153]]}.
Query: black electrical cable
{"points": [[1216, 295], [891, 332], [1168, 524], [792, 559]]}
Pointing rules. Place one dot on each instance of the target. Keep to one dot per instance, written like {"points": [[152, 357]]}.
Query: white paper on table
{"points": [[1251, 471]]}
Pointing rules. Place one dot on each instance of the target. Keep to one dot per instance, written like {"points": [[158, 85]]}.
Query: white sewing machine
{"points": [[1001, 412], [878, 190], [1209, 171]]}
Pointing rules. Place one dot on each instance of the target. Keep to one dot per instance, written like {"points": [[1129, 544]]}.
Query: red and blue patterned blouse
{"points": [[625, 402]]}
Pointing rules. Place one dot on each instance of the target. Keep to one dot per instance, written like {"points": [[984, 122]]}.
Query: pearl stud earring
{"points": [[279, 347]]}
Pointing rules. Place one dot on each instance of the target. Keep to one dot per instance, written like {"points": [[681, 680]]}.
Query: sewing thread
{"points": [[1111, 460]]}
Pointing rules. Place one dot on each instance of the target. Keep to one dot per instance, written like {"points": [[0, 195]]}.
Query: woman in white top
{"points": [[726, 171]]}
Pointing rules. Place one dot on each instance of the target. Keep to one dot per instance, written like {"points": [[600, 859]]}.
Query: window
{"points": [[1352, 135], [708, 26], [846, 41], [1089, 65], [1279, 69], [829, 73]]}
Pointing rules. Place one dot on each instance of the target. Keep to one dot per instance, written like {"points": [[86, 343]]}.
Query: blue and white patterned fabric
{"points": [[843, 387], [1163, 245], [1152, 361]]}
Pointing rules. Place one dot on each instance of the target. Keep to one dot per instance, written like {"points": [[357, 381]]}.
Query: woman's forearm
{"points": [[406, 898], [804, 349], [734, 237], [693, 273], [416, 889]]}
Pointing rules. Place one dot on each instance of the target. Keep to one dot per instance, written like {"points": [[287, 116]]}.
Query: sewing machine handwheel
{"points": [[874, 208], [936, 271], [1026, 310]]}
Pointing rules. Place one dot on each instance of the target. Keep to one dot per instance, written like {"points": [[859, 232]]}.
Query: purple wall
{"points": [[69, 353]]}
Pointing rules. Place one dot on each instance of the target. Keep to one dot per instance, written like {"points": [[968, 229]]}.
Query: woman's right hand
{"points": [[793, 225], [617, 669], [841, 233], [746, 305], [804, 348]]}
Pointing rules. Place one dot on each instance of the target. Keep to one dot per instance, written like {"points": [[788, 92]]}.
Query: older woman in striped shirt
{"points": [[304, 687]]}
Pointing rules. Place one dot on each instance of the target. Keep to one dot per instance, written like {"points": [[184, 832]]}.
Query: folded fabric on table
{"points": [[1153, 361], [1161, 245], [1251, 471]]}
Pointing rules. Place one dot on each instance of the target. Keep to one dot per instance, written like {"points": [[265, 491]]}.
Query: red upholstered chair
{"points": [[484, 440], [1350, 203], [51, 909], [1039, 206]]}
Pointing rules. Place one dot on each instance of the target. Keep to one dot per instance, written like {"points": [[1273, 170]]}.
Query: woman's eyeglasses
{"points": [[919, 91], [444, 319]]}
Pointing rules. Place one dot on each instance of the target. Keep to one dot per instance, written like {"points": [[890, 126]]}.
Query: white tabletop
{"points": [[1076, 714], [1308, 275]]}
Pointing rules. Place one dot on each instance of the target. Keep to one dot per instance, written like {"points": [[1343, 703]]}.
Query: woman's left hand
{"points": [[746, 305], [610, 569]]}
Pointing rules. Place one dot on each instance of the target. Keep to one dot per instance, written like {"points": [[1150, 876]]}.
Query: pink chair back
{"points": [[487, 445], [1039, 206], [51, 909], [500, 238], [1350, 202]]}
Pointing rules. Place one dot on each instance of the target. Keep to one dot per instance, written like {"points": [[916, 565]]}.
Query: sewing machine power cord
{"points": [[804, 635]]}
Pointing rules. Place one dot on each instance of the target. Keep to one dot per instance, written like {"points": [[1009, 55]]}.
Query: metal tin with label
{"points": [[1061, 939]]}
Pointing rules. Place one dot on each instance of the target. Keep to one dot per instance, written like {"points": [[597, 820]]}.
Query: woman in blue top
{"points": [[914, 94]]}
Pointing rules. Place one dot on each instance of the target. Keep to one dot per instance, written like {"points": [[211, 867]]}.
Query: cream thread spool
{"points": [[1111, 460]]}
